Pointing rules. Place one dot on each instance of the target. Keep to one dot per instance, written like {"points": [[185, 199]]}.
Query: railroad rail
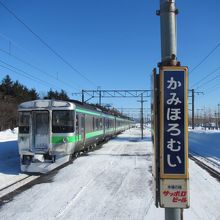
{"points": [[8, 192], [209, 169], [16, 185]]}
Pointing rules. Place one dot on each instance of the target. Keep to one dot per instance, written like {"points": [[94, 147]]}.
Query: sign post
{"points": [[170, 132]]}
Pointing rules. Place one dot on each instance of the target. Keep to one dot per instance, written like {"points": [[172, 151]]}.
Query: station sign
{"points": [[174, 122], [174, 177]]}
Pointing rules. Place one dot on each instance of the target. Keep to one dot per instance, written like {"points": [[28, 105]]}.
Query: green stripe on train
{"points": [[67, 139], [87, 112], [94, 134], [94, 113]]}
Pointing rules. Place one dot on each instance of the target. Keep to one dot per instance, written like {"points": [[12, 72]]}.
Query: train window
{"points": [[100, 123], [42, 122], [93, 123], [63, 121], [82, 122], [97, 124], [77, 121], [24, 122]]}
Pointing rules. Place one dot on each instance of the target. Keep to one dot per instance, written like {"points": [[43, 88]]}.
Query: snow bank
{"points": [[9, 135], [206, 143]]}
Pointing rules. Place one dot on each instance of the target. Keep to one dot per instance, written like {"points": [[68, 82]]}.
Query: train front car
{"points": [[46, 137]]}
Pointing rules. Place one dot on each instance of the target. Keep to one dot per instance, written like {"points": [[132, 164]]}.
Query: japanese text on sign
{"points": [[174, 117], [174, 193]]}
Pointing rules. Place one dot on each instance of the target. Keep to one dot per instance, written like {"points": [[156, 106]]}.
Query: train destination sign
{"points": [[173, 123]]}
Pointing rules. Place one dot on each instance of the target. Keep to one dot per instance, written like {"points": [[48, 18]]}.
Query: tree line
{"points": [[12, 94]]}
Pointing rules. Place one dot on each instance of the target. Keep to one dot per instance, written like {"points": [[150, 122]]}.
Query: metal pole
{"points": [[218, 116], [171, 214], [100, 98], [167, 14], [82, 96], [193, 119], [142, 117]]}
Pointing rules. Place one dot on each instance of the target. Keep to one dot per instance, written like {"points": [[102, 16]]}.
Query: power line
{"points": [[25, 74], [36, 68], [206, 57], [14, 43], [206, 76], [46, 44], [213, 88], [207, 82]]}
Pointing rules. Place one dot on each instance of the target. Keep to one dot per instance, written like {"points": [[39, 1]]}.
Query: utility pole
{"points": [[168, 57], [142, 115], [167, 14], [218, 116], [83, 96], [142, 118], [193, 92], [193, 120], [100, 98]]}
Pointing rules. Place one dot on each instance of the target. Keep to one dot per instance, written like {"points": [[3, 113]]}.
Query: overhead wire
{"points": [[25, 74], [13, 42], [213, 89], [206, 57], [206, 77], [47, 45], [207, 82], [36, 68]]}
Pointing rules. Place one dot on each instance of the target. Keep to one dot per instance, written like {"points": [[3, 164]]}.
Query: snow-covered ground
{"points": [[114, 182], [205, 144], [9, 158]]}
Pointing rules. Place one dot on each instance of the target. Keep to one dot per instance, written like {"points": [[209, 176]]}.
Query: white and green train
{"points": [[52, 131]]}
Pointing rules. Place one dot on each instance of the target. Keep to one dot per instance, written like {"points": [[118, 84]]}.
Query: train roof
{"points": [[50, 103], [99, 108], [44, 103]]}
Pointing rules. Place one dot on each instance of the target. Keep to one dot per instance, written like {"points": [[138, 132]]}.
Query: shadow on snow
{"points": [[132, 139], [9, 158], [206, 145]]}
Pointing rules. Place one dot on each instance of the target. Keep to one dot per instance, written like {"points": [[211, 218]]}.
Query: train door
{"points": [[77, 127], [40, 132], [104, 125], [82, 132], [80, 128]]}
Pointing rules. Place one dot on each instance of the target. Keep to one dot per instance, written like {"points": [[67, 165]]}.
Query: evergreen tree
{"points": [[6, 85], [57, 95]]}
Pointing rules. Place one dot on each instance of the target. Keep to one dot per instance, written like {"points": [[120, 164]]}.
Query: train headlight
{"points": [[65, 139]]}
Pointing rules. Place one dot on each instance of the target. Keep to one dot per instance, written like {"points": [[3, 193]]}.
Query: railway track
{"points": [[206, 158], [8, 192], [213, 172], [16, 185]]}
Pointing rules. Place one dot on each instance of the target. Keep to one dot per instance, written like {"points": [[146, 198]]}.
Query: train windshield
{"points": [[63, 121], [24, 122]]}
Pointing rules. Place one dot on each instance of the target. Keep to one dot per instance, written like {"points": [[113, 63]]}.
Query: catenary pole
{"points": [[83, 96], [167, 14], [218, 116], [193, 107], [142, 117]]}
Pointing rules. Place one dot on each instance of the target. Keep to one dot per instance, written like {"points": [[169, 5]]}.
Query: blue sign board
{"points": [[174, 126]]}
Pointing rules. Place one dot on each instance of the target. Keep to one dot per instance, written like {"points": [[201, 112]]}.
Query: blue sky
{"points": [[115, 44]]}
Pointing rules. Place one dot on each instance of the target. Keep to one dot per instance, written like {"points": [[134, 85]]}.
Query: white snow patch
{"points": [[114, 182]]}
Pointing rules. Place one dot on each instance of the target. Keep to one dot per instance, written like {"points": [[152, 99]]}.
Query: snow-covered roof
{"points": [[48, 104]]}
